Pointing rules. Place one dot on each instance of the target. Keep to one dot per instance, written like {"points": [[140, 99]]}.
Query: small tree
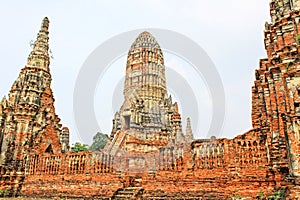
{"points": [[78, 147], [99, 141]]}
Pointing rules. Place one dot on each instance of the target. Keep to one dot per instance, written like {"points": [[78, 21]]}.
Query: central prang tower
{"points": [[147, 119], [145, 84]]}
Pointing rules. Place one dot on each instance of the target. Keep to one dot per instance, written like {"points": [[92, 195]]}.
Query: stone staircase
{"points": [[118, 139], [196, 195], [128, 193]]}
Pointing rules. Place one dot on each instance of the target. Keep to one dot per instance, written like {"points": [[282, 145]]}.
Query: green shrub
{"points": [[298, 38], [2, 192], [260, 194], [278, 195], [237, 197]]}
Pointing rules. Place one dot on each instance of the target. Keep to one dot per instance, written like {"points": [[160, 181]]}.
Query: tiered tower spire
{"points": [[145, 83], [39, 56], [145, 68], [28, 119]]}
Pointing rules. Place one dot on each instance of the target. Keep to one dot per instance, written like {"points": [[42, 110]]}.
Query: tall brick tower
{"points": [[147, 119], [28, 123], [145, 84], [276, 93]]}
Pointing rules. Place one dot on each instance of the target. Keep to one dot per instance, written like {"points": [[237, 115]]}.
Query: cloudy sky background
{"points": [[231, 32]]}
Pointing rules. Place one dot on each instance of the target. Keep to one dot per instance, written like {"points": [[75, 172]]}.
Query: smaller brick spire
{"points": [[189, 133], [4, 102]]}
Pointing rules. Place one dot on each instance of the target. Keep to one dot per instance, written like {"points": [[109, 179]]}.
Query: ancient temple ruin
{"points": [[148, 119], [147, 134]]}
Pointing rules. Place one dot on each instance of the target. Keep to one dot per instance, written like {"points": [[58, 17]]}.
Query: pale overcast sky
{"points": [[231, 32]]}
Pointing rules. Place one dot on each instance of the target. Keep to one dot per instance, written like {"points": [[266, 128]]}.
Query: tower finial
{"points": [[39, 56], [145, 67], [45, 24]]}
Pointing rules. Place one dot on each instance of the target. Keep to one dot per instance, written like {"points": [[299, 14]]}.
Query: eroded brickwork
{"points": [[275, 93], [147, 158]]}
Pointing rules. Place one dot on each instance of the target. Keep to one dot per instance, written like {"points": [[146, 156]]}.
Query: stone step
{"points": [[124, 192], [127, 193], [133, 188], [123, 196], [163, 198]]}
